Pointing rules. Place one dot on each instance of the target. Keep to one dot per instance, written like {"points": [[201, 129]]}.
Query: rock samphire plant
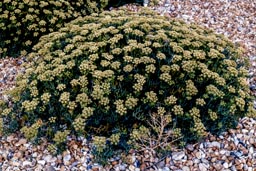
{"points": [[129, 80], [22, 22]]}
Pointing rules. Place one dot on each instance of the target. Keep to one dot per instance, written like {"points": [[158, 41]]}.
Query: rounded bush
{"points": [[114, 75], [22, 22]]}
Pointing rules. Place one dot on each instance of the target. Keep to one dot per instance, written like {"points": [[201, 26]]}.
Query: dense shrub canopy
{"points": [[22, 22], [112, 74]]}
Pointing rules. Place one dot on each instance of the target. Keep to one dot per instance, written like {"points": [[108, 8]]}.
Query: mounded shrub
{"points": [[118, 3], [22, 22], [130, 78]]}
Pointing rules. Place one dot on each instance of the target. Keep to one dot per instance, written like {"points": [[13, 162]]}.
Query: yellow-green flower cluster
{"points": [[194, 112], [29, 106], [6, 111], [34, 91], [199, 54], [97, 92], [160, 55], [31, 132], [71, 106], [64, 98], [128, 68], [52, 119], [165, 68], [191, 89], [151, 97], [213, 115], [171, 100], [140, 133], [175, 68], [120, 107], [161, 111], [233, 71], [213, 90], [61, 136], [240, 103], [176, 133], [231, 89], [150, 68], [243, 82], [46, 98], [176, 58], [1, 126], [251, 110], [177, 110], [131, 102], [61, 87], [214, 53], [200, 102], [83, 99], [166, 77], [114, 138], [100, 143], [199, 127], [140, 82], [79, 124], [52, 148]]}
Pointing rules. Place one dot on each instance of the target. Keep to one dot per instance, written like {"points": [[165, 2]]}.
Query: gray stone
{"points": [[185, 168], [178, 155]]}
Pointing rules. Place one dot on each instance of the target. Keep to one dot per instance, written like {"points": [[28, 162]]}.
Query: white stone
{"points": [[34, 155], [178, 155], [26, 163], [133, 159], [21, 142], [47, 158], [202, 167], [10, 138], [66, 157], [165, 169], [250, 169], [215, 144], [198, 154], [122, 167], [15, 163], [41, 162], [185, 168], [131, 168], [222, 152], [245, 131], [251, 150], [196, 161], [239, 136], [226, 165]]}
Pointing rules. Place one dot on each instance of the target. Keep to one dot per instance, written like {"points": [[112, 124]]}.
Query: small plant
{"points": [[131, 80], [23, 22], [157, 136]]}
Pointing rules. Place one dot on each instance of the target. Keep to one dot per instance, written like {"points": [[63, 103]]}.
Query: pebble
{"points": [[185, 168], [202, 167], [225, 165], [26, 163], [178, 155], [41, 162]]}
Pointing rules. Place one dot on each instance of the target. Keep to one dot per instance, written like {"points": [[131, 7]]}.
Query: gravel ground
{"points": [[234, 150]]}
